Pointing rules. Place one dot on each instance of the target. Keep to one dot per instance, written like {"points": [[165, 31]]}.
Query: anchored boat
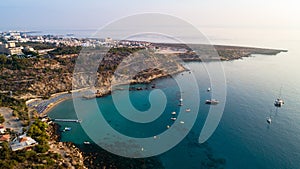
{"points": [[278, 102], [269, 120], [212, 101]]}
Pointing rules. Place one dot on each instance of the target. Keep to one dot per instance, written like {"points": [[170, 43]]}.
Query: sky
{"points": [[93, 14]]}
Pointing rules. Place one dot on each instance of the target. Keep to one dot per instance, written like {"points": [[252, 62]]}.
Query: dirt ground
{"points": [[10, 121]]}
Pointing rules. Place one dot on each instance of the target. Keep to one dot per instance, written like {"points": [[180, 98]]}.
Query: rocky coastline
{"points": [[71, 156]]}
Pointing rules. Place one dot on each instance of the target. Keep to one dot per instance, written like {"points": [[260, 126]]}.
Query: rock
{"points": [[74, 162], [66, 165], [67, 155]]}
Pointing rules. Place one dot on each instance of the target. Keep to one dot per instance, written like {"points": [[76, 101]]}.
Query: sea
{"points": [[243, 139]]}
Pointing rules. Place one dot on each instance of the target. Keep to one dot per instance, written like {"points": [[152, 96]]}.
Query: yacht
{"points": [[173, 113], [173, 118], [212, 101], [86, 143], [278, 102], [67, 129]]}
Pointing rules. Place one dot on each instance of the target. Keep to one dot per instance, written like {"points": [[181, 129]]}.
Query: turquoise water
{"points": [[243, 139]]}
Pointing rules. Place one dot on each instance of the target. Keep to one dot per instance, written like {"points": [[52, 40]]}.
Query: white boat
{"points": [[181, 99], [212, 101], [168, 126], [208, 89], [278, 102], [269, 120], [188, 110], [182, 122], [180, 104], [67, 129], [86, 143], [173, 118], [173, 113]]}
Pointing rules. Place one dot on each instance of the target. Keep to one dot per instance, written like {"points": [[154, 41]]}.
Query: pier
{"points": [[68, 120]]}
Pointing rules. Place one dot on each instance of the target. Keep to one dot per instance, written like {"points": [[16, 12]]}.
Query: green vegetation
{"points": [[123, 50], [14, 63], [66, 50], [30, 53], [38, 157], [37, 131], [37, 45], [19, 107], [2, 120]]}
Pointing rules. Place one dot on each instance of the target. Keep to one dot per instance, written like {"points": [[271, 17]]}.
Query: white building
{"points": [[22, 142]]}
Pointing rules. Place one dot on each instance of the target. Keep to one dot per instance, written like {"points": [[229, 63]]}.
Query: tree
{"points": [[2, 120], [3, 59]]}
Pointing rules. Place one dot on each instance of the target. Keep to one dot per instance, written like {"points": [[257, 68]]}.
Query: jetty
{"points": [[68, 120]]}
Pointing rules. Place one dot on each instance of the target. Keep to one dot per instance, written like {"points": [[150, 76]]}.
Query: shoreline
{"points": [[99, 157], [53, 105], [105, 91]]}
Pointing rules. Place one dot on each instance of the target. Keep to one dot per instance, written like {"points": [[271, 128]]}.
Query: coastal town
{"points": [[36, 74]]}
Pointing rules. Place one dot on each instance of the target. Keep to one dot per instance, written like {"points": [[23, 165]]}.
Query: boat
{"points": [[67, 129], [182, 122], [269, 120], [181, 99], [86, 143], [208, 89], [188, 110], [278, 102], [212, 101], [180, 104], [173, 118], [173, 113], [168, 126]]}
